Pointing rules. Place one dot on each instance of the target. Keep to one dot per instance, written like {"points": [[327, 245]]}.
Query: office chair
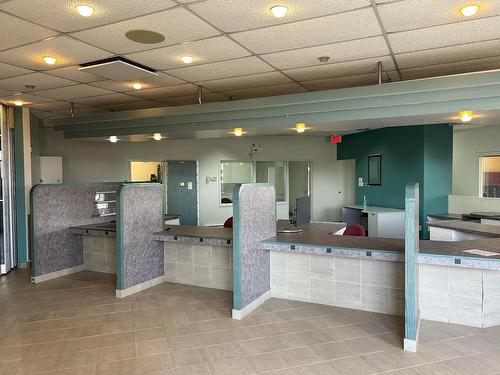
{"points": [[228, 223], [355, 230]]}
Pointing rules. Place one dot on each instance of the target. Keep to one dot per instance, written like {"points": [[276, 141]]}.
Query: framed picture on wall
{"points": [[375, 169]]}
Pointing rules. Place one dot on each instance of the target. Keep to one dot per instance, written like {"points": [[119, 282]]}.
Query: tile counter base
{"points": [[205, 265], [99, 253], [356, 283], [460, 295]]}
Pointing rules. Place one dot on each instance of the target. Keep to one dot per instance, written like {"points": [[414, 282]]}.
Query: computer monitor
{"points": [[303, 215]]}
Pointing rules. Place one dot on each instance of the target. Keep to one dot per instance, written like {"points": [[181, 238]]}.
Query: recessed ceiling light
{"points": [[466, 116], [18, 103], [238, 132], [137, 85], [157, 136], [113, 139], [279, 11], [49, 60], [324, 59], [85, 10], [469, 10], [187, 59], [301, 127]]}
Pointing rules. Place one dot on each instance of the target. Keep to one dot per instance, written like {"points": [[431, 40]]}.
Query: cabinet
{"points": [[382, 222], [51, 170]]}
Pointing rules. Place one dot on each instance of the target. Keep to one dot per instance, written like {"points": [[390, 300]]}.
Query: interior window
{"points": [[490, 176], [233, 173], [272, 172]]}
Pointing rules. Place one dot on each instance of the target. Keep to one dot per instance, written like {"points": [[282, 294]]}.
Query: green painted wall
{"points": [[420, 154]]}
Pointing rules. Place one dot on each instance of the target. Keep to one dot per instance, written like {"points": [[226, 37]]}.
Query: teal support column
{"points": [[21, 238]]}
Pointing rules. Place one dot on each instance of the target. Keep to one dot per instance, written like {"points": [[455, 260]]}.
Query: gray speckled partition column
{"points": [[55, 208], [254, 211], [139, 216]]}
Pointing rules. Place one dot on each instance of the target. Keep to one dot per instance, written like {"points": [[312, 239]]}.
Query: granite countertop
{"points": [[197, 231], [468, 227], [457, 248], [109, 226], [446, 216], [374, 209]]}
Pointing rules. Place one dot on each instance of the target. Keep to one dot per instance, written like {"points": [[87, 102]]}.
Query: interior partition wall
{"points": [[8, 254]]}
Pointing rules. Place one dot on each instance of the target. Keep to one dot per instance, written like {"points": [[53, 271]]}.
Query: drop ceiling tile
{"points": [[7, 71], [416, 14], [62, 15], [342, 69], [25, 98], [254, 14], [51, 107], [106, 100], [166, 92], [203, 51], [223, 69], [66, 50], [446, 35], [72, 72], [16, 32], [4, 92], [343, 82], [284, 89], [142, 104], [343, 51], [39, 80], [330, 29], [462, 52], [452, 68], [147, 83], [178, 25], [242, 82], [73, 92]]}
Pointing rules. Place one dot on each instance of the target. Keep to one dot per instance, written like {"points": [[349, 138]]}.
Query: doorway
{"points": [[299, 183], [182, 190], [146, 171]]}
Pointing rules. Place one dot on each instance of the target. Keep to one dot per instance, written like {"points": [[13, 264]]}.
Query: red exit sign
{"points": [[336, 139]]}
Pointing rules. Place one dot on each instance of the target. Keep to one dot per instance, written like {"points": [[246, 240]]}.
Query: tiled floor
{"points": [[74, 325]]}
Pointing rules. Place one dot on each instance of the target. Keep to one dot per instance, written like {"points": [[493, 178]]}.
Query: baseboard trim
{"points": [[240, 314], [55, 275], [122, 293], [410, 345], [23, 265]]}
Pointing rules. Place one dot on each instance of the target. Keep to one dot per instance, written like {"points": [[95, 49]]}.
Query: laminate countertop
{"points": [[468, 227], [196, 231]]}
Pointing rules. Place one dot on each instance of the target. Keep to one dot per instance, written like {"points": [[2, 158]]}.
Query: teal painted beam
{"points": [[426, 86], [22, 252]]}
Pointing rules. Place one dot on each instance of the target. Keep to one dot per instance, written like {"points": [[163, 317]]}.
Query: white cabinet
{"points": [[51, 170], [386, 224]]}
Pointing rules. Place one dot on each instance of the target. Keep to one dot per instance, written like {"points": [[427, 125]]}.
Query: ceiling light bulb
{"points": [[238, 132], [157, 136], [301, 128], [137, 85], [187, 59], [18, 103], [279, 11], [465, 116], [113, 139], [469, 10], [49, 60], [85, 10]]}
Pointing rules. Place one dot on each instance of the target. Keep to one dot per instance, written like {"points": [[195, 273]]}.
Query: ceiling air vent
{"points": [[117, 69]]}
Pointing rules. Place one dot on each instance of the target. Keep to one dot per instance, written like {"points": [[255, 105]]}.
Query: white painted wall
{"points": [[332, 181], [468, 146]]}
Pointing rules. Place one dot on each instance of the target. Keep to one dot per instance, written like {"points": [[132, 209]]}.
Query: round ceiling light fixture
{"points": [[157, 136], [145, 36], [113, 139], [324, 59], [18, 103], [49, 60], [466, 116], [469, 10], [279, 11], [137, 85], [300, 127], [187, 59], [85, 10], [238, 132]]}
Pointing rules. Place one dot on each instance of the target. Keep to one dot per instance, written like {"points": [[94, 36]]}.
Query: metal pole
{"points": [[379, 68], [200, 95]]}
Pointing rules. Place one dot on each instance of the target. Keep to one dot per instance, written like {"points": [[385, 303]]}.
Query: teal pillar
{"points": [[21, 239]]}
